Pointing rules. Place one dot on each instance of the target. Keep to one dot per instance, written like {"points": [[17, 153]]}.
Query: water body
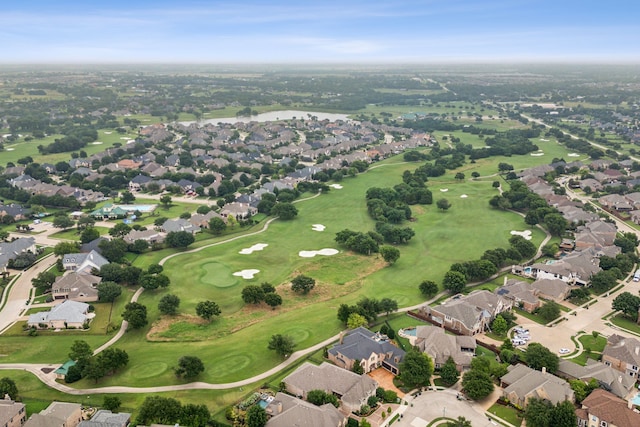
{"points": [[274, 116]]}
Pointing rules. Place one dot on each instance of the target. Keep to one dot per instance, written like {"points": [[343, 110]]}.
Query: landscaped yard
{"points": [[624, 322], [74, 234], [507, 413]]}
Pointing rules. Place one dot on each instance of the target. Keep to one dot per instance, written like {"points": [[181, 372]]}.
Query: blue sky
{"points": [[325, 31]]}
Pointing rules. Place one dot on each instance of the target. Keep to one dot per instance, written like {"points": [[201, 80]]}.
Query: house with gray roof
{"points": [[13, 210], [370, 349], [82, 287], [522, 383], [441, 346], [623, 355], [68, 314], [83, 262], [57, 414], [608, 378], [238, 210], [287, 411], [149, 236], [10, 250], [180, 224], [521, 293], [105, 418], [352, 389], [12, 414]]}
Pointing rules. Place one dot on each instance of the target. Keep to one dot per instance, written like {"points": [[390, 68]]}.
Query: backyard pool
{"points": [[264, 401], [636, 400], [140, 208]]}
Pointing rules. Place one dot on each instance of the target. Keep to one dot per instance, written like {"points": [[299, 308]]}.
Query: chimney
{"points": [[341, 337], [620, 379], [544, 369]]}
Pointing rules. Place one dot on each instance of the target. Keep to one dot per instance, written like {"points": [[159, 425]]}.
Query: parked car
{"points": [[521, 330], [517, 342], [564, 351], [523, 337]]}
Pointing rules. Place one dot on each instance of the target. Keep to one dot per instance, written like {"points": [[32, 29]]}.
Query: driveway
{"points": [[384, 379], [433, 404]]}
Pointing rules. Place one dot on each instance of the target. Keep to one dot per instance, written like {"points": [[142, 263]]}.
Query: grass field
{"points": [[74, 234], [507, 413]]}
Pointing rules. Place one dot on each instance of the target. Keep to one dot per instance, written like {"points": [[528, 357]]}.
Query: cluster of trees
{"points": [[302, 284], [75, 139], [627, 303], [368, 308], [477, 382], [166, 410], [94, 367], [8, 387], [253, 294], [136, 314], [542, 413], [416, 369], [508, 143], [357, 241]]}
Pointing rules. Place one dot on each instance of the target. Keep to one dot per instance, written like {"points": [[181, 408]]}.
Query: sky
{"points": [[324, 31]]}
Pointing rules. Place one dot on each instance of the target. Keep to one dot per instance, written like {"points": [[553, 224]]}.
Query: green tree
{"points": [[111, 403], [63, 221], [43, 281], [80, 350], [499, 325], [89, 235], [283, 345], [256, 417], [416, 368], [195, 415], [154, 281], [64, 248], [302, 284], [136, 314], [166, 201], [159, 410], [627, 303], [252, 294], [556, 224], [389, 253], [217, 225], [169, 304], [207, 309], [454, 281], [356, 320], [8, 386], [113, 250], [477, 384], [285, 211], [538, 356], [272, 299], [179, 239], [108, 291], [155, 269], [189, 367], [428, 288], [443, 204], [126, 197], [139, 246], [112, 359], [550, 311], [119, 230], [449, 373], [320, 397], [459, 176]]}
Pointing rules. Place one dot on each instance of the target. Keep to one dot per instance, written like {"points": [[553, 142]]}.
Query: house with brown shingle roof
{"points": [[622, 354], [287, 411], [441, 346], [82, 287], [522, 383], [603, 409]]}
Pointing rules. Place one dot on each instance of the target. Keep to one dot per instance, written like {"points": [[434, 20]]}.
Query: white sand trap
{"points": [[97, 143], [463, 196], [573, 155], [444, 190], [124, 137], [256, 247], [10, 149], [246, 274], [108, 133], [544, 140], [131, 141], [336, 186], [325, 252], [526, 234], [318, 227], [537, 154]]}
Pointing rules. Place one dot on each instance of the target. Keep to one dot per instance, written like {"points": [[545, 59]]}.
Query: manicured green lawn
{"points": [[595, 344], [507, 413], [626, 323], [74, 234], [530, 316]]}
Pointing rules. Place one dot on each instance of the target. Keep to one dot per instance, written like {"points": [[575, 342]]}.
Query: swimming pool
{"points": [[636, 399], [141, 208], [410, 331]]}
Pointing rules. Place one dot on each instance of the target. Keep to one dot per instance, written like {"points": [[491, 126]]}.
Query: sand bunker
{"points": [[336, 186], [97, 143], [246, 274], [318, 227], [573, 155], [311, 254], [10, 149], [444, 190], [545, 140], [463, 196], [108, 133], [124, 137], [256, 247], [526, 234], [537, 154]]}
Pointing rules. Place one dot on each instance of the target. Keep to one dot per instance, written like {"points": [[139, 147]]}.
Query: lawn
{"points": [[626, 323], [595, 344], [507, 413], [530, 316], [74, 234]]}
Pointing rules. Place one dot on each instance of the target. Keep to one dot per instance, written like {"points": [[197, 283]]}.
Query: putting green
{"points": [[297, 333], [216, 274], [232, 363], [148, 370]]}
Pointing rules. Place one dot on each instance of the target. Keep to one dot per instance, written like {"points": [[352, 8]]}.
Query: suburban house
{"points": [[175, 225], [239, 211], [105, 418], [68, 314], [551, 289], [470, 314], [287, 411], [12, 414], [10, 250], [93, 245], [603, 409], [83, 262], [441, 346], [13, 210], [149, 236], [82, 287], [202, 220], [371, 350], [522, 383], [521, 293], [574, 269], [622, 354], [138, 182], [595, 233], [57, 414], [352, 389], [609, 379]]}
